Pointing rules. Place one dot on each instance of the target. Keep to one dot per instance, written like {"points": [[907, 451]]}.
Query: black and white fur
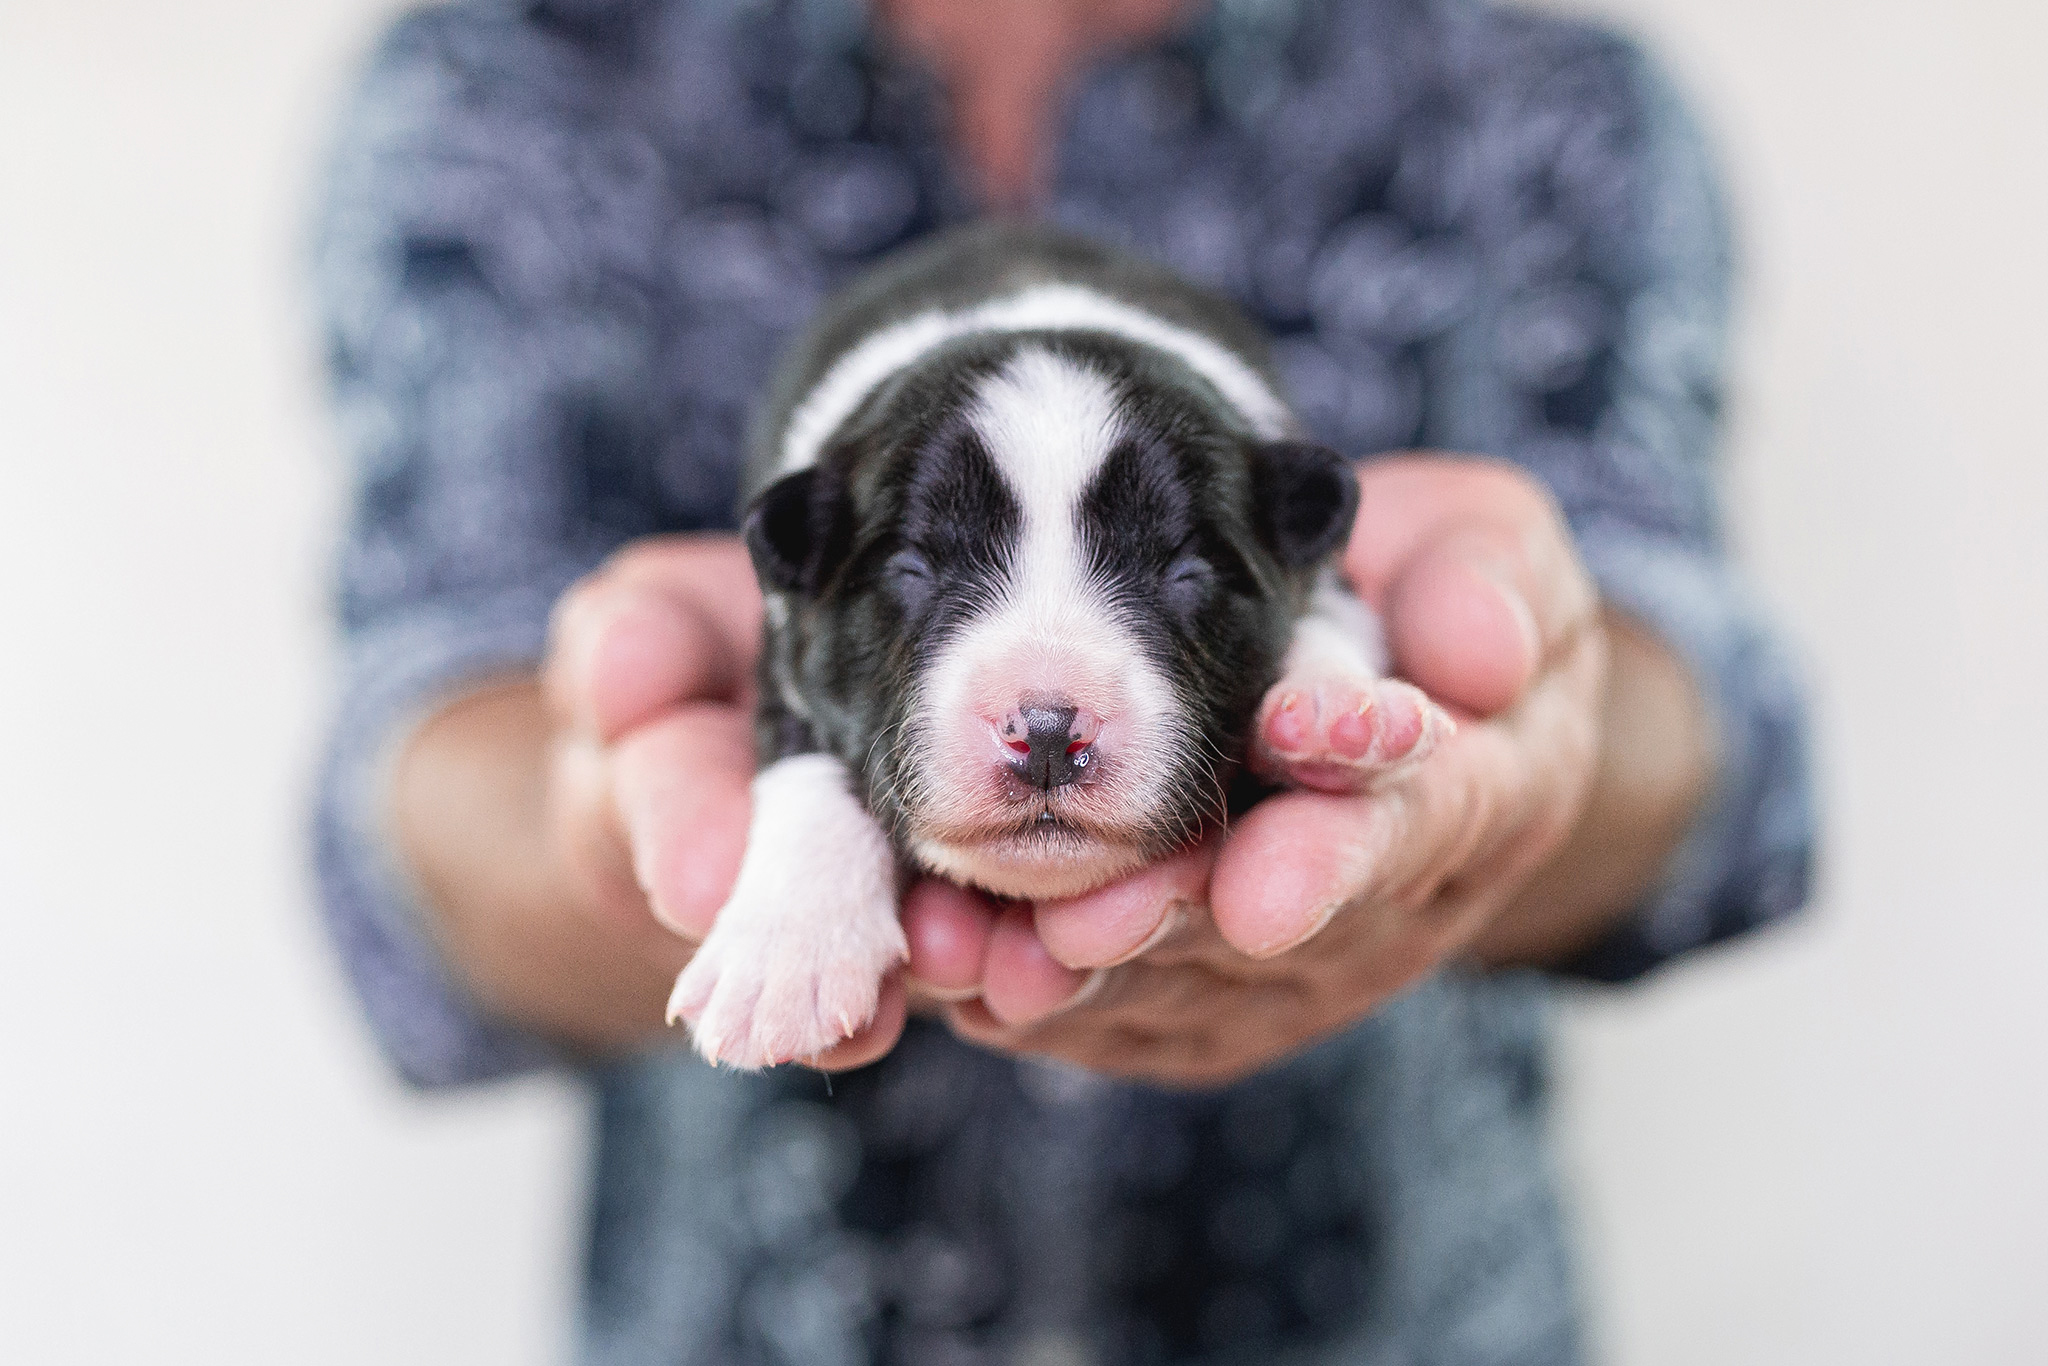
{"points": [[1037, 539]]}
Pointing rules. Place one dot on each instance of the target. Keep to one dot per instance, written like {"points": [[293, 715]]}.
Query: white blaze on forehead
{"points": [[1041, 308], [1049, 424], [1053, 633]]}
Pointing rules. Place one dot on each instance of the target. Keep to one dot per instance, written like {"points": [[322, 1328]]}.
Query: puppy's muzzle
{"points": [[1052, 745]]}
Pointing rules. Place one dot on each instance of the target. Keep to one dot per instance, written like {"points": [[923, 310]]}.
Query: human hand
{"points": [[1315, 908], [650, 680]]}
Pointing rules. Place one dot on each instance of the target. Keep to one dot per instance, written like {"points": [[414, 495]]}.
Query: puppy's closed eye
{"points": [[910, 578], [1187, 583]]}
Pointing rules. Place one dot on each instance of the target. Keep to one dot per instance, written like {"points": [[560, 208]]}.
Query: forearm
{"points": [[470, 814], [1655, 767]]}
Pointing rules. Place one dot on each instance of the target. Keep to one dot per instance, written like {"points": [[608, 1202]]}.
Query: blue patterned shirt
{"points": [[560, 247]]}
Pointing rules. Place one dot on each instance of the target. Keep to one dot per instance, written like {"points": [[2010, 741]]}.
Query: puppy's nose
{"points": [[1054, 746]]}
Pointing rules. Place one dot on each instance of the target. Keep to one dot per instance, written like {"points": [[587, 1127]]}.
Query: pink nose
{"points": [[1052, 745]]}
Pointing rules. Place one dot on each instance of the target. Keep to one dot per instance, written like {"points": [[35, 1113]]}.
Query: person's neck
{"points": [[1007, 66]]}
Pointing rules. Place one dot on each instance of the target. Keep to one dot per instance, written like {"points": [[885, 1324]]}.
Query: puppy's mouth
{"points": [[1051, 850], [1053, 818], [1049, 822]]}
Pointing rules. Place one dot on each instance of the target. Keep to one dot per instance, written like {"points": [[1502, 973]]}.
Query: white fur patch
{"points": [[1053, 635], [1041, 308], [1049, 424], [795, 961], [1338, 634]]}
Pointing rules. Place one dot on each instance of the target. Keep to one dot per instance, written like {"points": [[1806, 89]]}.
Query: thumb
{"points": [[669, 620], [1474, 573], [1459, 625]]}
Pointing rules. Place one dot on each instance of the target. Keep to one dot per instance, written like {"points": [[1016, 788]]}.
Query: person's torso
{"points": [[1403, 193]]}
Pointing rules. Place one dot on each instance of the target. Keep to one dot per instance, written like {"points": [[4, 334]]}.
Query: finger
{"points": [[974, 1022], [1473, 568], [1297, 858], [1131, 915], [589, 836], [1292, 861], [873, 1039], [681, 784], [977, 1024], [713, 568], [1020, 981], [948, 928], [663, 624], [1460, 627]]}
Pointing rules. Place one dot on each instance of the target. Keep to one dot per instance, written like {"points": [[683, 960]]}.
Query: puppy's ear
{"points": [[1304, 498], [798, 530]]}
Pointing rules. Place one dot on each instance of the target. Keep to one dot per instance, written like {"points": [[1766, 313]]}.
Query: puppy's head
{"points": [[1032, 591]]}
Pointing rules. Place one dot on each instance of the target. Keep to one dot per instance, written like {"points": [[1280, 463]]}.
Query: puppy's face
{"points": [[1033, 593]]}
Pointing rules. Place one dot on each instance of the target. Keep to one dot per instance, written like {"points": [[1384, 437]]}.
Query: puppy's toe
{"points": [[804, 1013], [716, 994], [694, 986]]}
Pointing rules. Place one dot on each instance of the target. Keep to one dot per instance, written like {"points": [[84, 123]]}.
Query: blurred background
{"points": [[1825, 1145]]}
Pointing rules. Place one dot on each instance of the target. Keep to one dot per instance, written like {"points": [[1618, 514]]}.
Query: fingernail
{"points": [[1091, 986], [1169, 925], [946, 995], [643, 874], [1518, 609], [1315, 927], [643, 865]]}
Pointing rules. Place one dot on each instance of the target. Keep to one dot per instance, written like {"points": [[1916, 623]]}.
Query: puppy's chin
{"points": [[1034, 863]]}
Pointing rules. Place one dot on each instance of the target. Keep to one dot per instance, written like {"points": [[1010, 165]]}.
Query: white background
{"points": [[1825, 1146]]}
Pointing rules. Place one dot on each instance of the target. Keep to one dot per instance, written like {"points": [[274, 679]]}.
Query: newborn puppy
{"points": [[1044, 565]]}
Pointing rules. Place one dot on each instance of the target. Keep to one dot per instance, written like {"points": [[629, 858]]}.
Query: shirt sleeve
{"points": [[491, 338], [1619, 358]]}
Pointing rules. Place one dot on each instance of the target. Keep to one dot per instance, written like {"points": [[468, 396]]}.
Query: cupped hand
{"points": [[649, 679], [1313, 909], [1303, 917]]}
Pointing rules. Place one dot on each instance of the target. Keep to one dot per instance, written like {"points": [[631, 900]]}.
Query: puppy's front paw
{"points": [[795, 961], [775, 983], [1341, 731]]}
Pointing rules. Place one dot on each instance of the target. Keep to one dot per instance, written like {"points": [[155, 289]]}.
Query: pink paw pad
{"points": [[1341, 734], [1355, 727]]}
